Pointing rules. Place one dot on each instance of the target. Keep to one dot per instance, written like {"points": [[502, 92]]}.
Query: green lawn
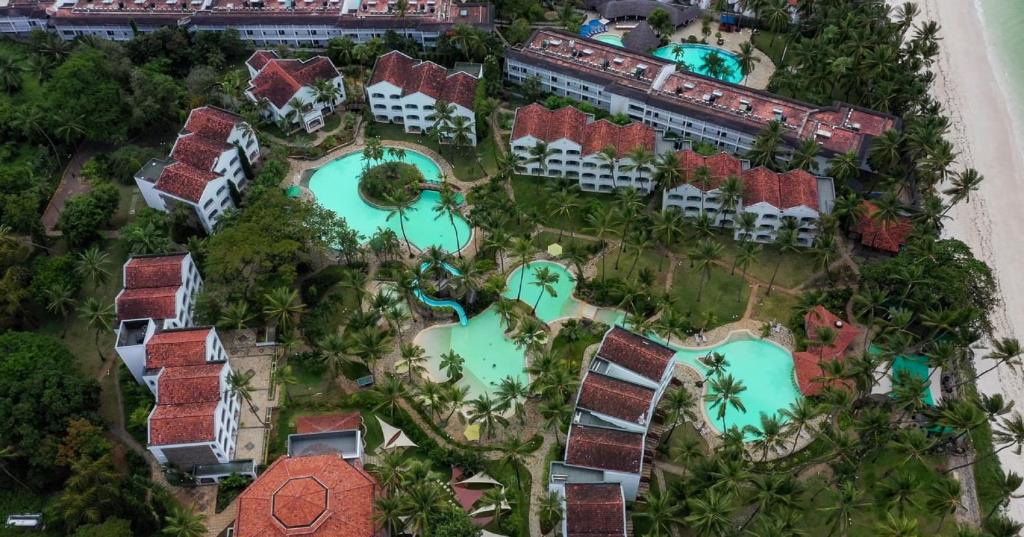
{"points": [[650, 260], [469, 164], [775, 307], [724, 296], [796, 268], [532, 196], [546, 238], [763, 41]]}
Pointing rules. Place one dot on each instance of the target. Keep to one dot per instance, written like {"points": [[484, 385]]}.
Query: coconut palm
{"points": [[401, 213], [745, 256], [443, 114], [549, 505], [539, 154], [513, 454], [555, 413], [640, 160], [545, 280], [703, 257], [91, 266], [609, 156], [522, 249], [725, 392], [798, 416], [99, 316], [667, 172], [747, 59], [455, 397], [412, 359], [182, 522], [448, 206], [240, 385], [1009, 433], [461, 132], [281, 306], [326, 92], [710, 514], [770, 435], [389, 394], [679, 404], [452, 363], [486, 412], [1004, 351], [60, 300], [601, 222], [785, 241], [370, 344], [563, 205], [660, 511]]}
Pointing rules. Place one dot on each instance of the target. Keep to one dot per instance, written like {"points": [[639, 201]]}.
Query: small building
{"points": [[809, 365], [887, 237], [296, 93], [593, 510], [610, 402], [618, 454], [159, 294], [643, 38], [315, 496], [636, 359], [209, 160], [404, 91], [576, 142], [340, 434]]}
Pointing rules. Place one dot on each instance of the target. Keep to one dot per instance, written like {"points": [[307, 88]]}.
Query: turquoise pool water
{"points": [[442, 303], [763, 367], [693, 56], [917, 366], [611, 39], [550, 307], [336, 187]]}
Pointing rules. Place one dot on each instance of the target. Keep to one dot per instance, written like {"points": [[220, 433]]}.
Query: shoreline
{"points": [[977, 98]]}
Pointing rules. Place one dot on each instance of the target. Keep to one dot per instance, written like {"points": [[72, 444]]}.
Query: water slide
{"points": [[439, 303]]}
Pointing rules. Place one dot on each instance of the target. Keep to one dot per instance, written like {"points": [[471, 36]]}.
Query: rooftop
{"points": [[636, 353], [147, 303], [428, 78], [615, 398], [887, 237], [571, 124], [182, 424], [185, 347], [278, 80], [316, 496], [605, 449], [595, 510]]}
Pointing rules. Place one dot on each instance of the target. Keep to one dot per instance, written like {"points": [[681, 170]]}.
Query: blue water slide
{"points": [[438, 303]]}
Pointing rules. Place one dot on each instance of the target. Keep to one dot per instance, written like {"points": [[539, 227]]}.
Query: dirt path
{"points": [[71, 184]]}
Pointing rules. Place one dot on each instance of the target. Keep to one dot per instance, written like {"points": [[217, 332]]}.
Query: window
{"points": [[378, 95], [222, 189], [208, 203]]}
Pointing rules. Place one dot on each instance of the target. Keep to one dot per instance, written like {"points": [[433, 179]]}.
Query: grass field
{"points": [[469, 164], [724, 297], [775, 307]]}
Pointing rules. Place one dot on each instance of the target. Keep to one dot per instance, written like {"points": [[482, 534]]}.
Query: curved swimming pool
{"points": [[765, 368], [336, 187], [611, 39], [694, 55], [550, 307]]}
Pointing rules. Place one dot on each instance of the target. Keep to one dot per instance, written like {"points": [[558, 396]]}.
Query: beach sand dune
{"points": [[969, 85]]}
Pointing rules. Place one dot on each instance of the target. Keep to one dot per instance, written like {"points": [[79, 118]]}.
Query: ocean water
{"points": [[1004, 26]]}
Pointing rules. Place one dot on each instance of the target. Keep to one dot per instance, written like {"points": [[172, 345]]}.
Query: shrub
{"points": [[391, 181]]}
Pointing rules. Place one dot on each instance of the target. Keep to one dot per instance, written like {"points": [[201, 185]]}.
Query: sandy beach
{"points": [[969, 85]]}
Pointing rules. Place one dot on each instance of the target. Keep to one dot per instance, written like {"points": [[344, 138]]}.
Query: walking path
{"points": [[71, 184]]}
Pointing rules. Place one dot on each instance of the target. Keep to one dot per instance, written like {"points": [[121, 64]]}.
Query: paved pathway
{"points": [[71, 184]]}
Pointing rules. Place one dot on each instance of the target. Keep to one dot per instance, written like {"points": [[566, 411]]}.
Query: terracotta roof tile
{"points": [[184, 181], [260, 58], [845, 333], [616, 398], [888, 238], [605, 449], [153, 271], [212, 123], [177, 348], [198, 151], [595, 510], [636, 353], [428, 78], [147, 303], [719, 166], [761, 185], [182, 424], [798, 188], [280, 79], [314, 496], [324, 423], [572, 124], [190, 384]]}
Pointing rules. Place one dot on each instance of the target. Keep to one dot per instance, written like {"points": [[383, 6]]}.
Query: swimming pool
{"points": [[336, 187], [693, 56], [610, 39], [551, 307], [766, 369]]}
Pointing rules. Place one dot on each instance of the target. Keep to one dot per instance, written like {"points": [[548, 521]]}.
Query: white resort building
{"points": [[769, 195], [595, 153], [207, 162], [297, 93], [611, 439], [653, 91], [263, 23], [405, 91], [159, 294]]}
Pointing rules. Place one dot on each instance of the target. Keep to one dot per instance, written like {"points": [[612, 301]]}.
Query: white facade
{"points": [[226, 420], [592, 173], [310, 115]]}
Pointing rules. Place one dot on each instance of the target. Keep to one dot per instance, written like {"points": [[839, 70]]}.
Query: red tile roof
{"points": [[571, 124], [889, 237], [314, 496], [147, 303], [807, 365], [177, 348], [616, 398], [325, 423], [190, 384], [184, 181], [719, 166], [260, 58], [280, 79], [153, 271], [212, 123], [198, 151], [605, 449], [428, 78], [798, 187], [761, 185], [636, 353], [182, 424], [595, 510]]}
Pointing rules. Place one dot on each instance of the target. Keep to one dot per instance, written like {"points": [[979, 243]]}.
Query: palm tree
{"points": [[667, 171], [841, 509], [725, 392], [549, 506], [388, 511], [897, 526], [455, 396], [745, 256], [512, 394], [448, 205], [898, 491], [609, 156], [281, 305], [962, 185], [748, 60], [798, 416], [769, 434], [412, 358], [60, 300], [703, 257], [943, 499], [667, 227], [539, 154], [601, 222], [679, 403], [640, 160], [452, 363], [100, 317], [545, 280], [240, 385], [710, 514], [513, 454], [234, 316], [1008, 433], [1004, 351], [660, 511], [325, 92], [401, 212], [494, 498], [785, 241], [555, 413], [10, 74], [91, 266], [523, 249], [421, 501], [370, 344], [498, 240], [486, 412], [184, 523], [389, 394], [563, 205]]}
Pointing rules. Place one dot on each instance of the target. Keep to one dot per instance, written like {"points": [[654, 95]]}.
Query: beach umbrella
{"points": [[472, 432], [555, 249]]}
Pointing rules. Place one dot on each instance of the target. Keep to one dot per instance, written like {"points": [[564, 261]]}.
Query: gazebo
{"points": [[642, 39]]}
